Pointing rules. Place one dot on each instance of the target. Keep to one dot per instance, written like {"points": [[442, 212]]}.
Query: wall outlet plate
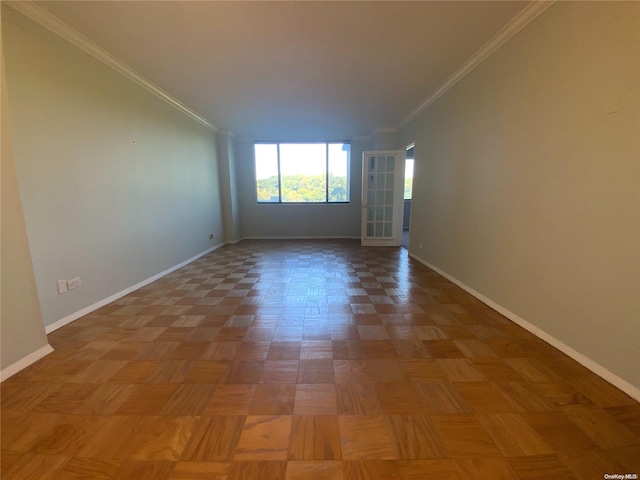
{"points": [[74, 283], [61, 285]]}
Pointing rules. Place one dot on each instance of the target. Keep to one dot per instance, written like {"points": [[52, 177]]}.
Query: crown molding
{"points": [[57, 26], [517, 23]]}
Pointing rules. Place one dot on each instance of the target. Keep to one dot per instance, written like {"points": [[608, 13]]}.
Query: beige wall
{"points": [[21, 328], [527, 180], [117, 186]]}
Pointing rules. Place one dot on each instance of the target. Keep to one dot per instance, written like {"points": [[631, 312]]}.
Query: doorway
{"points": [[408, 193]]}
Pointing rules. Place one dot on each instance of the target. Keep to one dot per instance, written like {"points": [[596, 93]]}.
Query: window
{"points": [[302, 172], [408, 174]]}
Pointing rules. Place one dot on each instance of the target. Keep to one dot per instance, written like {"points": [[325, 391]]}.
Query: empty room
{"points": [[365, 240]]}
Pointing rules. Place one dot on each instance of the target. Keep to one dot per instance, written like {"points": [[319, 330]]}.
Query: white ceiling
{"points": [[293, 70]]}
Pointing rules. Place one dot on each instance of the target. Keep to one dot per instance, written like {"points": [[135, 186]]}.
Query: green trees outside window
{"points": [[302, 172]]}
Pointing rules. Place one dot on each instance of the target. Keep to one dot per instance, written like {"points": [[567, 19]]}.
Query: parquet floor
{"points": [[309, 360]]}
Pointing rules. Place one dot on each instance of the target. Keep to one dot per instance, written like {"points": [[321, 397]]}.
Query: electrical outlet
{"points": [[420, 246], [62, 287], [74, 283], [211, 236]]}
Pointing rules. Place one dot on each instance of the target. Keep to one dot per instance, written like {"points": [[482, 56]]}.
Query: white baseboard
{"points": [[24, 362], [303, 238], [585, 361], [105, 301]]}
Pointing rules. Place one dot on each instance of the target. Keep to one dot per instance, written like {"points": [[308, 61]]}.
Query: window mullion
{"points": [[279, 177], [326, 172]]}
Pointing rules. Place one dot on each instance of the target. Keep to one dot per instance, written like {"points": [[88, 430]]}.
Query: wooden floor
{"points": [[309, 360]]}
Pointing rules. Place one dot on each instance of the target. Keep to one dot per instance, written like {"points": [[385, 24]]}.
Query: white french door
{"points": [[382, 198]]}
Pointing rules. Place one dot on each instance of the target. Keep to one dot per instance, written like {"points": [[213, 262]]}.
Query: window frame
{"points": [[326, 201]]}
